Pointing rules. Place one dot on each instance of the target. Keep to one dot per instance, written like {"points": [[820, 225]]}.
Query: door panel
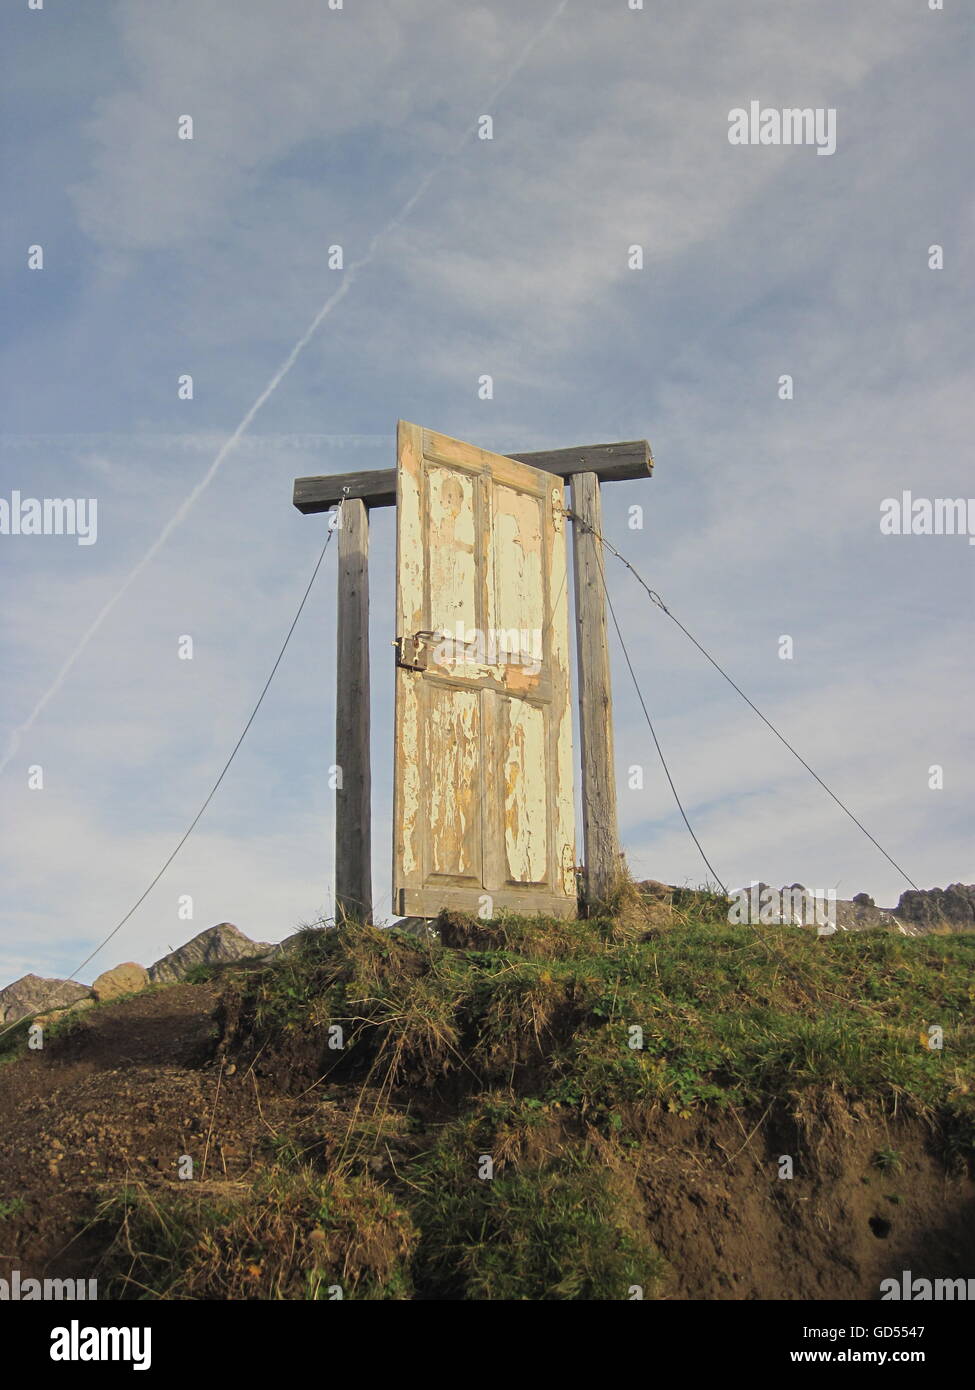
{"points": [[482, 797], [453, 801], [525, 792]]}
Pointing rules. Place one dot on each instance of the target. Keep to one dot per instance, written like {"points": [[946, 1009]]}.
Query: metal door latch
{"points": [[411, 652]]}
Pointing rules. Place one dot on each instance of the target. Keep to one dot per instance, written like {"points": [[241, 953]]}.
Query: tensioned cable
{"points": [[655, 598], [332, 526], [639, 695], [653, 734], [772, 950]]}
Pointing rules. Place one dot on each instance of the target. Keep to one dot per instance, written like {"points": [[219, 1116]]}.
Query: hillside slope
{"points": [[486, 1123]]}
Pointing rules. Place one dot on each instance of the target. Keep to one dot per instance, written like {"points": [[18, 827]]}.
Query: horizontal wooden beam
{"points": [[376, 487], [428, 902], [611, 463]]}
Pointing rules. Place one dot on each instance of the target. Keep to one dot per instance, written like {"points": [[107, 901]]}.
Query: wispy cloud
{"points": [[507, 256]]}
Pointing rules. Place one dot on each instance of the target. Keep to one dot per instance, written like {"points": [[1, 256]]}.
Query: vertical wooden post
{"points": [[353, 847], [599, 817]]}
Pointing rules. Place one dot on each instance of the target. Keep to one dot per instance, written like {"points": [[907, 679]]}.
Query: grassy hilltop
{"points": [[533, 1109]]}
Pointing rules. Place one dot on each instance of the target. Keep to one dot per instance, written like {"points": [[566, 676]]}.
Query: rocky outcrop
{"points": [[934, 909], [861, 913], [797, 905], [216, 945], [34, 995], [918, 911], [124, 979]]}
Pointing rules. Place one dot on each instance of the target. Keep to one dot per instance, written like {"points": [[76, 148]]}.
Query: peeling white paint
{"points": [[525, 795], [483, 761]]}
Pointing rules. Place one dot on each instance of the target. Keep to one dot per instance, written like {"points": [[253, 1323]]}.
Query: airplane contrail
{"points": [[187, 505]]}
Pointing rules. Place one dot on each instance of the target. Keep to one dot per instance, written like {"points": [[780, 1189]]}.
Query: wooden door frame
{"points": [[618, 462], [420, 449]]}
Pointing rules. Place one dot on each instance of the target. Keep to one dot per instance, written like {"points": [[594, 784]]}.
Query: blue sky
{"points": [[314, 127]]}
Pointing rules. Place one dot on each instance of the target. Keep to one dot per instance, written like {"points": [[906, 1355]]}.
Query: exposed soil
{"points": [[137, 1084], [731, 1228], [123, 1096]]}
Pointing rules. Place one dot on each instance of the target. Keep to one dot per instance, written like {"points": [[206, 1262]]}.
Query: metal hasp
{"points": [[411, 652]]}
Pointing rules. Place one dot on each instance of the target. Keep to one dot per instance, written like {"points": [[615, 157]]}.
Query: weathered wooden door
{"points": [[483, 814]]}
